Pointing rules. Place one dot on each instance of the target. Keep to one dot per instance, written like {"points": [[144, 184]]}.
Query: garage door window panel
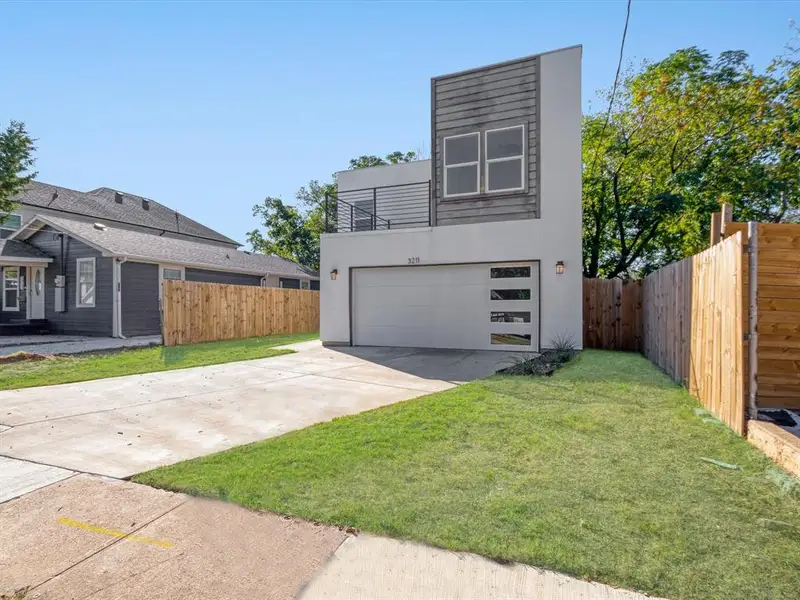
{"points": [[510, 316], [509, 272], [510, 339], [510, 294]]}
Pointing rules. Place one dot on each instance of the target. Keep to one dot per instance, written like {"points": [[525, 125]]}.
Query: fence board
{"points": [[205, 312]]}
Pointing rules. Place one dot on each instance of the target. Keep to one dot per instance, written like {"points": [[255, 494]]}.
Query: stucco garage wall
{"points": [[561, 308]]}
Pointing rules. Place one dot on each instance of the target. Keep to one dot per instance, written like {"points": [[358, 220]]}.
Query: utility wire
{"points": [[614, 88]]}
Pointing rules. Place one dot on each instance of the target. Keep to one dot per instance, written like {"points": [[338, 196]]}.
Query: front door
{"points": [[36, 292]]}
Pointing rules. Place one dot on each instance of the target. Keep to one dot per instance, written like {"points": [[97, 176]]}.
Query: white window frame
{"points": [[445, 166], [520, 157], [78, 262], [305, 284], [4, 224], [6, 307], [161, 277]]}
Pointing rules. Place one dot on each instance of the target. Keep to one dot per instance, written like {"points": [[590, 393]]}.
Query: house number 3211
{"points": [[413, 260]]}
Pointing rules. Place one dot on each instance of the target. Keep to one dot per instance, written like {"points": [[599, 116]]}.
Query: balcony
{"points": [[379, 208]]}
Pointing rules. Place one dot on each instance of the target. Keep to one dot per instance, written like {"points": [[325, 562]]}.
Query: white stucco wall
{"points": [[385, 175], [556, 236]]}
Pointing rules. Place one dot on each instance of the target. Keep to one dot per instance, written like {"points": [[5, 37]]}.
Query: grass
{"points": [[84, 367], [595, 472]]}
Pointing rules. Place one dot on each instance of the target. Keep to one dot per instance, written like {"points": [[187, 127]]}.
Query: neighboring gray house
{"points": [[480, 246], [93, 263]]}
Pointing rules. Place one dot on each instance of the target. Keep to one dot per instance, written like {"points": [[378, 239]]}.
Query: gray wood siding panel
{"points": [[482, 103], [76, 321], [141, 313], [456, 99], [476, 101], [490, 76], [221, 277]]}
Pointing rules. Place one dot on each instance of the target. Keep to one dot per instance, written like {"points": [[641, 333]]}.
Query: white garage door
{"points": [[477, 306]]}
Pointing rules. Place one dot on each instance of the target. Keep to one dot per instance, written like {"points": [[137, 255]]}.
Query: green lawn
{"points": [[595, 472], [83, 367]]}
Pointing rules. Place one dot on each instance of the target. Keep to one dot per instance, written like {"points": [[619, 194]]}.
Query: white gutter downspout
{"points": [[117, 304]]}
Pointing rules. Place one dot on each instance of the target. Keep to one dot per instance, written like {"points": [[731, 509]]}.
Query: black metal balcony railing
{"points": [[387, 207]]}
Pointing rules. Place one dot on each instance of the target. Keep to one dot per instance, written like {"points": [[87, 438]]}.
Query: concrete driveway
{"points": [[122, 426]]}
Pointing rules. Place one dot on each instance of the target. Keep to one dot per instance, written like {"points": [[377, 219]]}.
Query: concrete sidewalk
{"points": [[113, 540], [69, 344]]}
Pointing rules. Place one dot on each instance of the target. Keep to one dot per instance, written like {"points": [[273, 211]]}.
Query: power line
{"points": [[616, 83]]}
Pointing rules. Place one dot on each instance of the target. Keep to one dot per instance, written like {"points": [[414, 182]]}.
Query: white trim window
{"points": [[462, 165], [85, 282], [305, 285], [11, 289], [505, 159], [173, 273], [9, 224]]}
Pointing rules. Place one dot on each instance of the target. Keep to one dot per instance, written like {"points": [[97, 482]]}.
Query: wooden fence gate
{"points": [[612, 314]]}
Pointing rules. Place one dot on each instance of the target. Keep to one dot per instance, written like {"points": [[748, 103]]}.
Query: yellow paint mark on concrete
{"points": [[112, 533]]}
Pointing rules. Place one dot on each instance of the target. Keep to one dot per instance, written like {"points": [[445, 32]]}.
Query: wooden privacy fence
{"points": [[205, 312], [694, 324], [702, 322], [612, 314]]}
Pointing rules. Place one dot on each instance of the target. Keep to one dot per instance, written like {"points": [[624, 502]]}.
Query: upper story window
{"points": [[462, 158], [9, 224], [505, 159]]}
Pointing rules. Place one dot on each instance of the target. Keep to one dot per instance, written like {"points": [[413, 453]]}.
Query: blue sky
{"points": [[209, 107]]}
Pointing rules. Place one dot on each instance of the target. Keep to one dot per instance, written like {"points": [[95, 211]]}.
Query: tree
{"points": [[374, 161], [685, 134], [16, 162], [293, 231]]}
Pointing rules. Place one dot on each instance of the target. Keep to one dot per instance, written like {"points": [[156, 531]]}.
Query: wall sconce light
{"points": [[334, 274], [560, 267]]}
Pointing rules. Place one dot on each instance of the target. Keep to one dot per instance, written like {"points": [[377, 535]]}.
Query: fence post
{"points": [[374, 208], [752, 375]]}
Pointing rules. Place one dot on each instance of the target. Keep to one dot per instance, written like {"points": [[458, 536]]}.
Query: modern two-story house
{"points": [[480, 246], [93, 263]]}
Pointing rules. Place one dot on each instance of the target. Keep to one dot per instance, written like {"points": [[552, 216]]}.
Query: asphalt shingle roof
{"points": [[113, 205], [147, 246], [17, 249]]}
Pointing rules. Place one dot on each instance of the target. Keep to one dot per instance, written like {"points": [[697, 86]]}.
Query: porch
{"points": [[22, 284]]}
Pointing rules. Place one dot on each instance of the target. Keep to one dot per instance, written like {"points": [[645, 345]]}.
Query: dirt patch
{"points": [[21, 356]]}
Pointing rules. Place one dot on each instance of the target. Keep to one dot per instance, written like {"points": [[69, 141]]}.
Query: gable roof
{"points": [[150, 247], [21, 250], [115, 206]]}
